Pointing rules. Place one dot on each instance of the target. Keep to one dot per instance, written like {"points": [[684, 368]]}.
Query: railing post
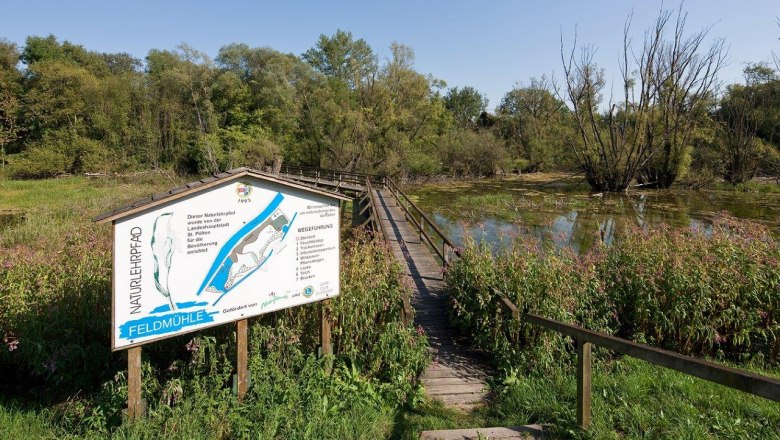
{"points": [[583, 382]]}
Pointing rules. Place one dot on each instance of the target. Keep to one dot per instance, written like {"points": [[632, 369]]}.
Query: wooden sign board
{"points": [[221, 251]]}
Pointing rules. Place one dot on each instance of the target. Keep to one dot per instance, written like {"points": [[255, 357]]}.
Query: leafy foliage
{"points": [[703, 293]]}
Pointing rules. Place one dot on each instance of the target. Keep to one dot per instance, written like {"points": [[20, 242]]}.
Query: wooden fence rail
{"points": [[742, 380], [428, 229], [334, 175], [407, 312]]}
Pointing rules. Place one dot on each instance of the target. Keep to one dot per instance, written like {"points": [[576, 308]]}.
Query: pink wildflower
{"points": [[193, 346]]}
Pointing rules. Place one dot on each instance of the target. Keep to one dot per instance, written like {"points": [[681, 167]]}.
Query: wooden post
{"points": [[407, 314], [134, 403], [583, 383], [242, 357], [325, 345]]}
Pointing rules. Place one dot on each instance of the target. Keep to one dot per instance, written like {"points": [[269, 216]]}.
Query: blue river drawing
{"points": [[247, 250]]}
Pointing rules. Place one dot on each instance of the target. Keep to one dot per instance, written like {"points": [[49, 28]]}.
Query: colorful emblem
{"points": [[243, 190]]}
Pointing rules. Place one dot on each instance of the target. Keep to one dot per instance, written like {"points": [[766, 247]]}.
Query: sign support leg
{"points": [[134, 403], [325, 345], [242, 358]]}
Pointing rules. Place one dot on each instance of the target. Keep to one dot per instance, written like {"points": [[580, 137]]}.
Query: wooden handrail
{"points": [[406, 301], [731, 377], [742, 380], [378, 225], [401, 197], [397, 190], [350, 176]]}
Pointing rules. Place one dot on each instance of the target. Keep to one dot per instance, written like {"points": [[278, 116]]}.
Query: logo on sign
{"points": [[308, 291], [243, 190]]}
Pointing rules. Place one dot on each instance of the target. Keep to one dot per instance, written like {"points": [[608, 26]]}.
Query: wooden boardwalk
{"points": [[456, 376]]}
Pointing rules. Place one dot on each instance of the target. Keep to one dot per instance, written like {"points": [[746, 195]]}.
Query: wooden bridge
{"points": [[457, 374]]}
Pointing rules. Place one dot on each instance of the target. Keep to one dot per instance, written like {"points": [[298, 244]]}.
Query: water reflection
{"points": [[568, 215]]}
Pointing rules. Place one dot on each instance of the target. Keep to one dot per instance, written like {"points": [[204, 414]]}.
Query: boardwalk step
{"points": [[461, 400], [496, 433], [459, 388], [429, 382], [445, 373]]}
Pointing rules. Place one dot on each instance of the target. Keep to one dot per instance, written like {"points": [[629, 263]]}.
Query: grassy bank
{"points": [[60, 379]]}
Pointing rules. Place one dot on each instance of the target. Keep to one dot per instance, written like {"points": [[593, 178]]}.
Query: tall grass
{"points": [[713, 293]]}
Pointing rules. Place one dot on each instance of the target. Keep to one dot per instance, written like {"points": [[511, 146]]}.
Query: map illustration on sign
{"points": [[237, 250], [247, 251]]}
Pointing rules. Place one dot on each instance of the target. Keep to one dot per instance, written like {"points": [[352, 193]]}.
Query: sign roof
{"points": [[200, 185]]}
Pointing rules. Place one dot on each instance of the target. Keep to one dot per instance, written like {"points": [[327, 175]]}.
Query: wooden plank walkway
{"points": [[457, 375], [495, 433]]}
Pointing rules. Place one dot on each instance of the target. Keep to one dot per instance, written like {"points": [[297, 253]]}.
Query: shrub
{"points": [[703, 293], [61, 152], [38, 162], [55, 311]]}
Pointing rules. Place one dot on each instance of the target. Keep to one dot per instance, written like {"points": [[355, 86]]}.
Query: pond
{"points": [[566, 211]]}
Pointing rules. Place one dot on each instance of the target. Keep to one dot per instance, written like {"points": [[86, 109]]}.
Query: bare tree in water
{"points": [[665, 90]]}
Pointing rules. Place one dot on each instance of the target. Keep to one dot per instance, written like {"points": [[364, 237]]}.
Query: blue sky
{"points": [[487, 45]]}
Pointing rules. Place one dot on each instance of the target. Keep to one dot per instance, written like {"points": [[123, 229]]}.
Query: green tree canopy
{"points": [[465, 104]]}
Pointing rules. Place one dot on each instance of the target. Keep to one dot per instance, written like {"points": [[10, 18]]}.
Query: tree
{"points": [[775, 56], [465, 104], [387, 121], [59, 95], [748, 117], [41, 48], [739, 129], [10, 90], [412, 118], [342, 57], [611, 149], [532, 120], [765, 83], [120, 63], [683, 83], [466, 152], [649, 132], [181, 86]]}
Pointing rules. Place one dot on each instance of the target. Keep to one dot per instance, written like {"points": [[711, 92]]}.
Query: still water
{"points": [[570, 214]]}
